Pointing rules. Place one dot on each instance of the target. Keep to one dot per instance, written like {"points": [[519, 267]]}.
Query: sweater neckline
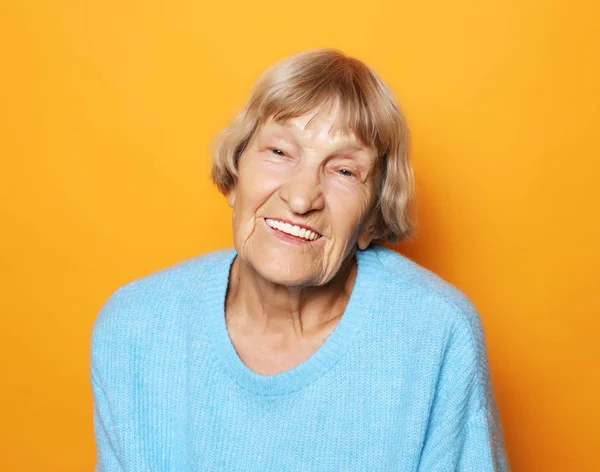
{"points": [[322, 360]]}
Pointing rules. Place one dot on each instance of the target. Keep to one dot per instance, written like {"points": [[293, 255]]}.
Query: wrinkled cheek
{"points": [[328, 256], [244, 231], [249, 228]]}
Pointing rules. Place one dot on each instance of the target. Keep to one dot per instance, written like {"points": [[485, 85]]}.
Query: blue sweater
{"points": [[401, 384]]}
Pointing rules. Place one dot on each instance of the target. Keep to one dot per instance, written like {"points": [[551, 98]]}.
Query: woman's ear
{"points": [[367, 232], [231, 197], [364, 240]]}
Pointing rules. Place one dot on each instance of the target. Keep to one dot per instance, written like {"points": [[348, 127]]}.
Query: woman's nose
{"points": [[303, 192]]}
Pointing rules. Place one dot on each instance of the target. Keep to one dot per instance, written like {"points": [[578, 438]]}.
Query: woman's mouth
{"points": [[295, 231]]}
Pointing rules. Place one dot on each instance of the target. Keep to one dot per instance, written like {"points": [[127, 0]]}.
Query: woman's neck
{"points": [[257, 306]]}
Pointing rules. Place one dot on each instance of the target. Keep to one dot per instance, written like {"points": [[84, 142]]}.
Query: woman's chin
{"points": [[285, 270]]}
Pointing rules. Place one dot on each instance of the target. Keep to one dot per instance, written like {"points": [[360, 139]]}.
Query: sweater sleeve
{"points": [[107, 459], [108, 456], [464, 432]]}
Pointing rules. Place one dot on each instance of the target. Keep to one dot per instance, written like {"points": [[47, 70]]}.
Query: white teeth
{"points": [[293, 230]]}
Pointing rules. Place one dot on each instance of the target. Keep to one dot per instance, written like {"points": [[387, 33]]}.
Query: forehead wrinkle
{"points": [[335, 129], [316, 113], [319, 110]]}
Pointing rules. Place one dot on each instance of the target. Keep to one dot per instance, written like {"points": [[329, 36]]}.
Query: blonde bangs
{"points": [[312, 85]]}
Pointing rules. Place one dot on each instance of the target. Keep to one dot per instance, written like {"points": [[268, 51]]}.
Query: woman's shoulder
{"points": [[158, 299], [404, 273], [405, 283], [416, 300], [171, 280]]}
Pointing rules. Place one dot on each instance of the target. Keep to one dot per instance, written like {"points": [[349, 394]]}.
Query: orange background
{"points": [[108, 108]]}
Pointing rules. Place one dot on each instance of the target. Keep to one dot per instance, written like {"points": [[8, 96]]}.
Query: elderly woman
{"points": [[310, 346]]}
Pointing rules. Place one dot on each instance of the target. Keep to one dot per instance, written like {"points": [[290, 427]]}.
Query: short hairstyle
{"points": [[303, 82]]}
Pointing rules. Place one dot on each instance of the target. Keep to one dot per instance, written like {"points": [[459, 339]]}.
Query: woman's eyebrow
{"points": [[285, 131], [278, 134], [358, 152], [352, 148]]}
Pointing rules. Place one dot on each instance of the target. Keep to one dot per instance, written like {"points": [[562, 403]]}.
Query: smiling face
{"points": [[303, 199]]}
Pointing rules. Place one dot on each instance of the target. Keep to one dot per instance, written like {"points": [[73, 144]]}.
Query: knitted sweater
{"points": [[401, 383]]}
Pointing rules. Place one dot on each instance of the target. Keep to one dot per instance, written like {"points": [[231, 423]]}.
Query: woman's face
{"points": [[303, 174]]}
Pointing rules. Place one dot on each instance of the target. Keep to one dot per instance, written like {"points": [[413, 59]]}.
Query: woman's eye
{"points": [[278, 152], [346, 172]]}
